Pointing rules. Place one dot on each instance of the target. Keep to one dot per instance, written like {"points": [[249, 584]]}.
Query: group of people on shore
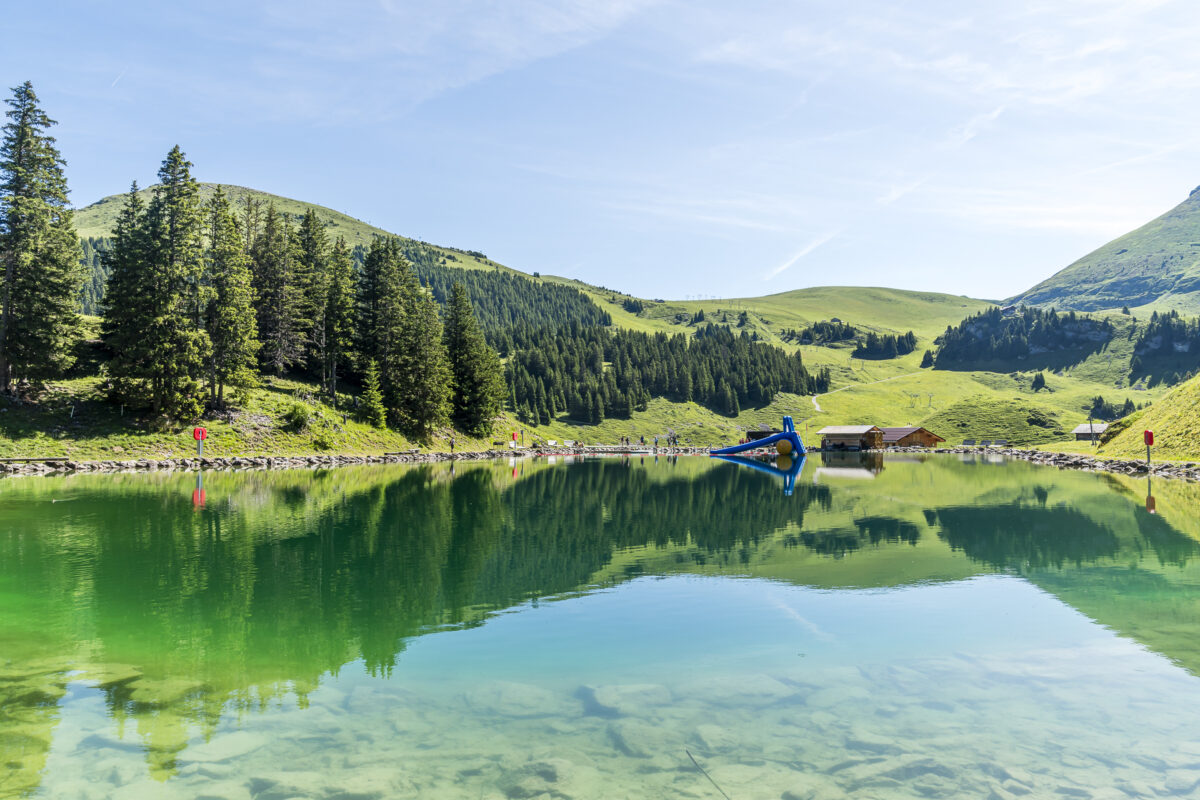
{"points": [[670, 440]]}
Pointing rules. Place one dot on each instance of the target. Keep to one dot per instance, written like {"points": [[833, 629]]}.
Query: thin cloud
{"points": [[823, 239]]}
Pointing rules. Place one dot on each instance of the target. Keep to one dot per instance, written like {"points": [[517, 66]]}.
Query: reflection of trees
{"points": [[872, 530], [1019, 536], [287, 576], [1015, 536]]}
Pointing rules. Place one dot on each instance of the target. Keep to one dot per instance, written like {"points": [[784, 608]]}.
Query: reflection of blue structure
{"points": [[787, 443], [788, 473]]}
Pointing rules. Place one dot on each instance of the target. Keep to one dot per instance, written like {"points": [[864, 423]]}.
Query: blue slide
{"points": [[787, 443], [788, 475]]}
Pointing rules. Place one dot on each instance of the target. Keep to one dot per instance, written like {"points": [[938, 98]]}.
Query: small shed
{"points": [[911, 436], [851, 437], [1083, 433]]}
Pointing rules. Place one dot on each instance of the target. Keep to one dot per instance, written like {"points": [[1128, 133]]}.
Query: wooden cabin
{"points": [[1083, 433], [851, 437], [910, 437]]}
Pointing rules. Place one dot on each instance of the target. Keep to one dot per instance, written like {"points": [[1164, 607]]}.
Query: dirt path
{"points": [[817, 405]]}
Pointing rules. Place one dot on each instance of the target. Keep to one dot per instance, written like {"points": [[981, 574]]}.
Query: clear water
{"points": [[597, 629]]}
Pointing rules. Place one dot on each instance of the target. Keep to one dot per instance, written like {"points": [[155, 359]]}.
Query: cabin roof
{"points": [[896, 434], [1098, 427], [846, 430]]}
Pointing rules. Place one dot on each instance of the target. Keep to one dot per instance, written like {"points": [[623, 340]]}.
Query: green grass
{"points": [[100, 218], [100, 430], [1175, 420], [1156, 267], [987, 402]]}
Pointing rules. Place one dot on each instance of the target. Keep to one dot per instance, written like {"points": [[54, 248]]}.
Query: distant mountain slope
{"points": [[1175, 420], [98, 220], [1156, 265]]}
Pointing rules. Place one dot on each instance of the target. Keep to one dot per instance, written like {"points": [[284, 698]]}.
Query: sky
{"points": [[668, 149]]}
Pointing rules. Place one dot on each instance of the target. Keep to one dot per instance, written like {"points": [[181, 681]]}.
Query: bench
{"points": [[986, 443], [968, 443], [1000, 443]]}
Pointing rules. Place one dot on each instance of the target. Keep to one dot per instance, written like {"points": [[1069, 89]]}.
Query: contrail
{"points": [[808, 248], [122, 75]]}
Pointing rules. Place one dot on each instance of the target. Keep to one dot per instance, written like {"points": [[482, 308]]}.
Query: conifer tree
{"points": [[128, 298], [310, 274], [381, 309], [477, 381], [420, 370], [230, 321], [338, 317], [154, 321], [40, 276], [280, 299], [371, 410]]}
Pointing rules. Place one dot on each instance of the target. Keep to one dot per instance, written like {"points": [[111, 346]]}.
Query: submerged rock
{"points": [[624, 699], [517, 700], [223, 748], [638, 739]]}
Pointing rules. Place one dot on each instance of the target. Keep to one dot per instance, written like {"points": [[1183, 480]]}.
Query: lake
{"points": [[905, 626]]}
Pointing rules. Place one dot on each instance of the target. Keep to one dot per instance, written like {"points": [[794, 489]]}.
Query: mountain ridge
{"points": [[1153, 267]]}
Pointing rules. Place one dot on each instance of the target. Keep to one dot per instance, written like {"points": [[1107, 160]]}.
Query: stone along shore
{"points": [[59, 467]]}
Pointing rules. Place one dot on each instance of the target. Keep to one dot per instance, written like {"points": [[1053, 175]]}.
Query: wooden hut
{"points": [[1083, 433], [911, 436], [851, 437]]}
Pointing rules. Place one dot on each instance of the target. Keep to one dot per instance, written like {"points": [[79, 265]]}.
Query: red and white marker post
{"points": [[200, 434]]}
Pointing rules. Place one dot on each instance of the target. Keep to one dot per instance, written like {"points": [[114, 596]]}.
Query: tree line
{"points": [[592, 373], [821, 333], [879, 346], [1168, 344], [994, 334], [199, 298]]}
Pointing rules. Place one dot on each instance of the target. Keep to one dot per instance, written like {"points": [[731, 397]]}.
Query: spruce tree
{"points": [[371, 410], [154, 317], [381, 310], [128, 299], [40, 276], [338, 317], [477, 380], [420, 370], [310, 275], [230, 321], [280, 298]]}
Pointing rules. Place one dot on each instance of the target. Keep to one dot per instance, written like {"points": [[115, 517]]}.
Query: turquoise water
{"points": [[895, 628]]}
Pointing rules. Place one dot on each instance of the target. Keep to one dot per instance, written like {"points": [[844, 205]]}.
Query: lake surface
{"points": [[900, 627]]}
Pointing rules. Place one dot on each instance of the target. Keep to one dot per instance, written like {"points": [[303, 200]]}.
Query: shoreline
{"points": [[36, 467], [1188, 471]]}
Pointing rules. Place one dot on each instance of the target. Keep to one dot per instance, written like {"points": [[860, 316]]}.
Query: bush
{"points": [[297, 416]]}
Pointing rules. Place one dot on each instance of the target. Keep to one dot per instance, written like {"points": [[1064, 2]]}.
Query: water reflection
{"points": [[187, 598]]}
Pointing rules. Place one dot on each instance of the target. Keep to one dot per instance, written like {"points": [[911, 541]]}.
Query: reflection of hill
{"points": [[181, 613]]}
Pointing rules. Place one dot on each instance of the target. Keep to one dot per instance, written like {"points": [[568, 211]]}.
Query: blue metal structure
{"points": [[788, 475], [794, 447]]}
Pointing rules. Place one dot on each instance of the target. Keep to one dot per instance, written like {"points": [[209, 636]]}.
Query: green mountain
{"points": [[1157, 265], [97, 221]]}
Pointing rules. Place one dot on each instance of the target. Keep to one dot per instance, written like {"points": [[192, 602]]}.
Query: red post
{"points": [[1148, 438], [199, 434]]}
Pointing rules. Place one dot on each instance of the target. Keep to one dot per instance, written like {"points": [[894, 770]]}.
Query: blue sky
{"points": [[670, 149]]}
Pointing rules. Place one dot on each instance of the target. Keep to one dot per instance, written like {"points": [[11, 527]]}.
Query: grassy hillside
{"points": [[992, 401], [98, 220], [1175, 420], [1156, 266]]}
